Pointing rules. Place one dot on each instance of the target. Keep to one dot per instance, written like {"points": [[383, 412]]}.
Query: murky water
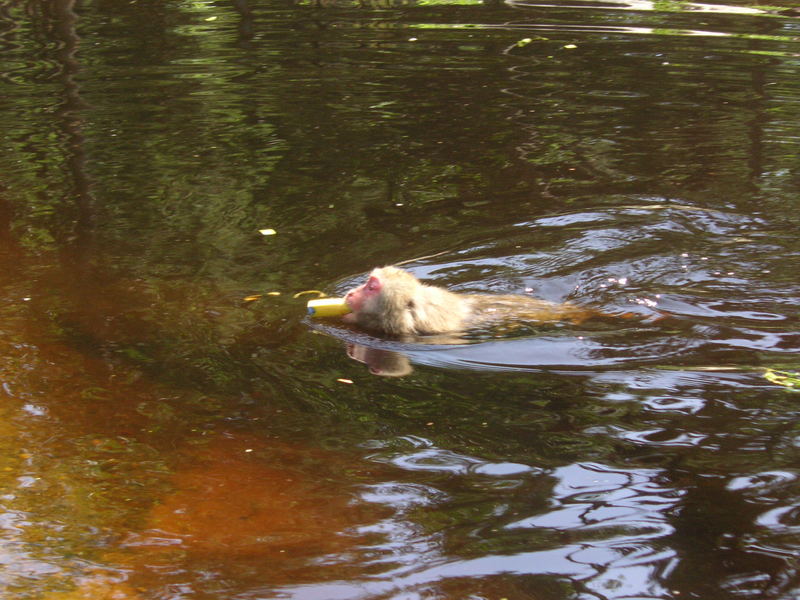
{"points": [[171, 430]]}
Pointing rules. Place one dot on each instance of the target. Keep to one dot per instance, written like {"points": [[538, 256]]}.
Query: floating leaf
{"points": [[570, 47], [524, 42], [788, 379], [303, 293], [267, 231], [255, 297], [345, 380]]}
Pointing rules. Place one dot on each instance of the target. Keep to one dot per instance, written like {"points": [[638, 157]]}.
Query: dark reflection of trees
{"points": [[71, 226], [246, 22], [758, 121], [61, 19], [6, 213]]}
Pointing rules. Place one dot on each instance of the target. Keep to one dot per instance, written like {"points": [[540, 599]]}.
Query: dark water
{"points": [[166, 437]]}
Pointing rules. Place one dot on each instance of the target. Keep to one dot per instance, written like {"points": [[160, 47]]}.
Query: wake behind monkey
{"points": [[394, 302]]}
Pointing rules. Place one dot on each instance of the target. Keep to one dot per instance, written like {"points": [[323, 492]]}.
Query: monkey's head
{"points": [[385, 303]]}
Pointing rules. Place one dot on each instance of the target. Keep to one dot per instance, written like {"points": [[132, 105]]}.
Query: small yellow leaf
{"points": [[570, 46], [211, 19], [304, 292], [345, 380], [273, 293], [267, 231], [252, 298]]}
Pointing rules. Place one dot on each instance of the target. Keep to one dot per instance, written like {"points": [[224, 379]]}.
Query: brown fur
{"points": [[405, 306]]}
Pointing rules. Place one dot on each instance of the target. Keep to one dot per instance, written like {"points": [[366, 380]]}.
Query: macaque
{"points": [[394, 302]]}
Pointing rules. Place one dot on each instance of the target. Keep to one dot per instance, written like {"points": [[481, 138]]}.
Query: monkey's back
{"points": [[490, 309]]}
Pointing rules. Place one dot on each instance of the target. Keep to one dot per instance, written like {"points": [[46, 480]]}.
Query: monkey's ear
{"points": [[373, 284]]}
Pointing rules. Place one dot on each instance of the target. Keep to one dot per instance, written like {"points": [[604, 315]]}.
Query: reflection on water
{"points": [[164, 437], [386, 363]]}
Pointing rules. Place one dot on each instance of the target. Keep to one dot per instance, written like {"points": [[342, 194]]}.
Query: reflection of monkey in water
{"points": [[380, 362], [394, 302]]}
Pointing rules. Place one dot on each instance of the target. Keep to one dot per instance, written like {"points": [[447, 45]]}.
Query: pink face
{"points": [[363, 294]]}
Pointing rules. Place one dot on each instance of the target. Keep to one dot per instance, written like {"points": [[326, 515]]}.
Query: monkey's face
{"points": [[382, 303], [365, 296]]}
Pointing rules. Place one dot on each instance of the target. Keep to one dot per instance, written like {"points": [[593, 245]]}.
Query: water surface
{"points": [[171, 430]]}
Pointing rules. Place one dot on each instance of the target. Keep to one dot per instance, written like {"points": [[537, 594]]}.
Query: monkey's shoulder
{"points": [[437, 310]]}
